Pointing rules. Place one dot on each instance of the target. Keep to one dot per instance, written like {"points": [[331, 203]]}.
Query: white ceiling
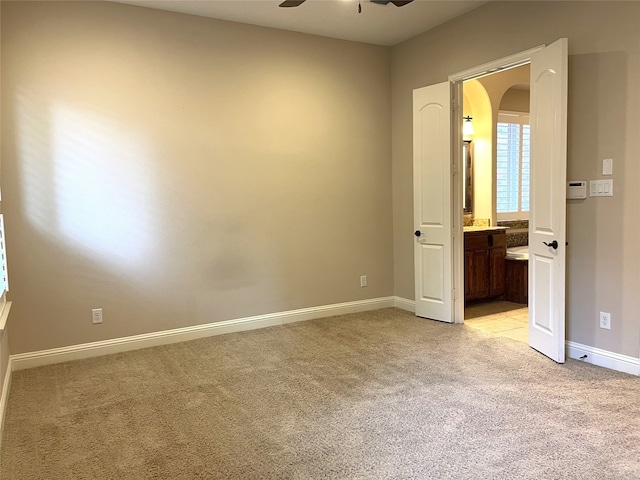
{"points": [[377, 24]]}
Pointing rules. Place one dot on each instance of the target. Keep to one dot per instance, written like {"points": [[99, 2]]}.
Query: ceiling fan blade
{"points": [[291, 3], [400, 3]]}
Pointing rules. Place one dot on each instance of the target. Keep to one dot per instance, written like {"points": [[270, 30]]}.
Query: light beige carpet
{"points": [[378, 395]]}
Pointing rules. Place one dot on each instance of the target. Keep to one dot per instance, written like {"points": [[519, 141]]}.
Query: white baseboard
{"points": [[95, 349], [405, 304], [604, 358], [23, 361], [596, 356], [4, 396]]}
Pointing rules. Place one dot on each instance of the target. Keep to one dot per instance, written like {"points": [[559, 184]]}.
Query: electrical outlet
{"points": [[363, 280], [605, 320], [96, 315]]}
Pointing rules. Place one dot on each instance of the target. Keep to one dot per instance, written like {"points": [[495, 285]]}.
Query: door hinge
{"points": [[454, 295]]}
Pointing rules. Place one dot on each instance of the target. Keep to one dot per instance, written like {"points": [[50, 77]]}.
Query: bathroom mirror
{"points": [[467, 186]]}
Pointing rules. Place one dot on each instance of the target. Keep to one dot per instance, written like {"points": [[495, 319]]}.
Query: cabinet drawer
{"points": [[499, 240], [472, 242], [484, 240]]}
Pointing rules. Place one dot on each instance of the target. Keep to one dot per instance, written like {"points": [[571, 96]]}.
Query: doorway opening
{"points": [[439, 251], [496, 183]]}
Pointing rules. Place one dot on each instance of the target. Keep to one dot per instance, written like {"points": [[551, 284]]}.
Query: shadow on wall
{"points": [[593, 254]]}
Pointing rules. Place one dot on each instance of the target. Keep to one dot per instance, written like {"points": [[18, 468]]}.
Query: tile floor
{"points": [[503, 319]]}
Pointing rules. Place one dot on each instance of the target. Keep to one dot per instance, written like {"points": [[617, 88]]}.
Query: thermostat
{"points": [[577, 189]]}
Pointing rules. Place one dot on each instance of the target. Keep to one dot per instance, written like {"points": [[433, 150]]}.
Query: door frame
{"points": [[456, 80]]}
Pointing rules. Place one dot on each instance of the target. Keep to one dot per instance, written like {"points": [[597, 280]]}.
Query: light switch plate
{"points": [[607, 166], [601, 188]]}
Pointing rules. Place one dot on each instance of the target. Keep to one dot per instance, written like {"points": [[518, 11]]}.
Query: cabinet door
{"points": [[480, 269], [516, 278], [497, 272], [468, 275]]}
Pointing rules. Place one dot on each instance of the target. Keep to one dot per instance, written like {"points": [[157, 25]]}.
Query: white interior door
{"points": [[547, 221], [432, 201]]}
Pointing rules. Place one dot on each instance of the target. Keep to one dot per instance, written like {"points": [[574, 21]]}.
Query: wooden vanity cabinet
{"points": [[517, 281], [497, 267], [476, 274], [484, 264]]}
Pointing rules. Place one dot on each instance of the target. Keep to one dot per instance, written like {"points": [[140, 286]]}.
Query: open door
{"points": [[432, 201], [547, 221]]}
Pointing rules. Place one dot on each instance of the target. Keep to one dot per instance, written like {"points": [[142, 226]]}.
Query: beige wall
{"points": [[477, 105], [515, 100], [499, 84], [4, 335], [603, 261], [176, 170], [495, 87]]}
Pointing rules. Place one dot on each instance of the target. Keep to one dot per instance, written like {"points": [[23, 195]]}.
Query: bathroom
{"points": [[496, 201]]}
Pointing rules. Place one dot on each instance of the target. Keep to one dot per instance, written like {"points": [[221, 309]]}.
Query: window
{"points": [[512, 166], [4, 283]]}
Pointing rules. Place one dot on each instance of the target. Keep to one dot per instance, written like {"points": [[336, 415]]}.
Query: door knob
{"points": [[553, 244], [417, 233]]}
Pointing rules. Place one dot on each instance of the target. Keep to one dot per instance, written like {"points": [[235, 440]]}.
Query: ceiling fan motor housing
{"points": [[397, 3]]}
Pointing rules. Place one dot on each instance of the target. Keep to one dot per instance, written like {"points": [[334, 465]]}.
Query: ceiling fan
{"points": [[397, 3]]}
